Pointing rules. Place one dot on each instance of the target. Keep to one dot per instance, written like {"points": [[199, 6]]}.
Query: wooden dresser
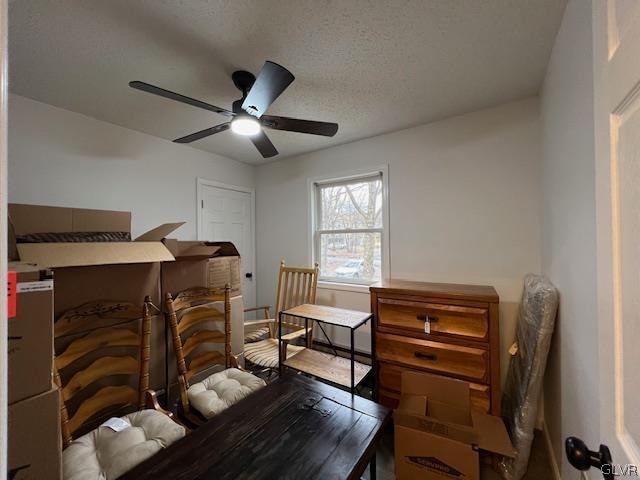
{"points": [[446, 329]]}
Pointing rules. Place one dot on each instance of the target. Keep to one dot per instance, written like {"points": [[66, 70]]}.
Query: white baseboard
{"points": [[552, 455]]}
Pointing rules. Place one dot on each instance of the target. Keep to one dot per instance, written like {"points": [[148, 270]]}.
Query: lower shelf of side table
{"points": [[328, 367]]}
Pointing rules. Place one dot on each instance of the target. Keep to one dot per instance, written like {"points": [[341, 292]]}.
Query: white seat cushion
{"points": [[104, 454], [221, 390]]}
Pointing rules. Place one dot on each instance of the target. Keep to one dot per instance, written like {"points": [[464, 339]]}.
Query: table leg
{"points": [[372, 467], [353, 354], [374, 364]]}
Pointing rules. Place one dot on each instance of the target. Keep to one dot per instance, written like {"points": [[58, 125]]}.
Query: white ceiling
{"points": [[371, 66]]}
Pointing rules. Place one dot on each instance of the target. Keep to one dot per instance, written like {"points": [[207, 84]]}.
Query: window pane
{"points": [[352, 205], [351, 257]]}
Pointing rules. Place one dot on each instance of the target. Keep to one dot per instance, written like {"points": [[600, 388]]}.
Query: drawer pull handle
{"points": [[427, 318], [425, 356]]}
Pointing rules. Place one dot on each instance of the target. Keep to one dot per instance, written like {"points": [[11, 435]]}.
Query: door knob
{"points": [[583, 459], [248, 275]]}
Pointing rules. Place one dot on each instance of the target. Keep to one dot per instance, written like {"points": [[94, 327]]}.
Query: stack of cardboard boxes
{"points": [[34, 408], [84, 272]]}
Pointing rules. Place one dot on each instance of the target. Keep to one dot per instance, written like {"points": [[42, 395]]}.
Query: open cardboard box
{"points": [[28, 219], [437, 434], [127, 271], [214, 264], [85, 272]]}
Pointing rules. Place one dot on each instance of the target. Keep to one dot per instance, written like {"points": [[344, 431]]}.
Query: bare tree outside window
{"points": [[349, 230]]}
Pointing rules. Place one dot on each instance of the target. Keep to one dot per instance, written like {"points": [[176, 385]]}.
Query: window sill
{"points": [[345, 287]]}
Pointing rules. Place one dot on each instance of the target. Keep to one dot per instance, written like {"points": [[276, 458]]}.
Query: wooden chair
{"points": [[195, 318], [102, 372], [296, 286]]}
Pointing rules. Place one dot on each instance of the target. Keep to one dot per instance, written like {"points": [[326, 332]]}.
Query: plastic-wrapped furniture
{"points": [[522, 390]]}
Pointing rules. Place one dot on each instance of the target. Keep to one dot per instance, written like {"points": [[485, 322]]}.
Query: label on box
{"points": [[12, 278], [43, 285], [116, 424]]}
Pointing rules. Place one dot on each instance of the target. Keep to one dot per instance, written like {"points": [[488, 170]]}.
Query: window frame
{"points": [[314, 184]]}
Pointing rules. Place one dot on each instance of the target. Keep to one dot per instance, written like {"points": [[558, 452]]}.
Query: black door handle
{"points": [[583, 459], [248, 275]]}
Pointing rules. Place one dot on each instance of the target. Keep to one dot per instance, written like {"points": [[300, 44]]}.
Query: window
{"points": [[349, 229]]}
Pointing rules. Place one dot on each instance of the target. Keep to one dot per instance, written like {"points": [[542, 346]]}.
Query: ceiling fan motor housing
{"points": [[243, 81]]}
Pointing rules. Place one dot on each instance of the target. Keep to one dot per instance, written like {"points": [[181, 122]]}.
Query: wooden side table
{"points": [[332, 368]]}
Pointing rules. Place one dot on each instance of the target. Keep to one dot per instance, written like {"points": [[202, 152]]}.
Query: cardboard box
{"points": [[124, 271], [28, 219], [225, 270], [220, 261], [127, 271], [182, 248], [30, 352], [41, 219], [437, 435], [35, 447]]}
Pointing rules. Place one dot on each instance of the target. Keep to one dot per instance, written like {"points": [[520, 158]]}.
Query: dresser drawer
{"points": [[389, 388], [453, 320], [469, 363]]}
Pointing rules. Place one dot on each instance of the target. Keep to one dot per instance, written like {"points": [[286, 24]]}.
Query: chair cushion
{"points": [[265, 353], [221, 390], [104, 454], [257, 335]]}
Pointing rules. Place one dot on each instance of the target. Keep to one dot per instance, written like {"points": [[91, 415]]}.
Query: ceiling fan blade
{"points": [[264, 145], [272, 80], [301, 126], [203, 133], [145, 87]]}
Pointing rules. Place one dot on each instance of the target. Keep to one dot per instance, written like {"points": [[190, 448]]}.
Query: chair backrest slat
{"points": [[103, 367], [103, 400], [112, 337], [296, 286], [194, 319], [96, 367]]}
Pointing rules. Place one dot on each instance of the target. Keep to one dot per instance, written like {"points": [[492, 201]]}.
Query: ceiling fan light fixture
{"points": [[245, 125]]}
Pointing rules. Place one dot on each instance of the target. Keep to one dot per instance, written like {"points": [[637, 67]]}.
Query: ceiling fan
{"points": [[247, 114]]}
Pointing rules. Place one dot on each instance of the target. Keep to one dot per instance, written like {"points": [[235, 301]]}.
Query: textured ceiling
{"points": [[371, 66]]}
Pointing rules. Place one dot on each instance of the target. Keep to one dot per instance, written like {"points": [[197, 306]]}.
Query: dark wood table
{"points": [[294, 428]]}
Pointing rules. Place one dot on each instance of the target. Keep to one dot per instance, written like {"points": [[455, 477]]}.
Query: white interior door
{"points": [[617, 129], [225, 213]]}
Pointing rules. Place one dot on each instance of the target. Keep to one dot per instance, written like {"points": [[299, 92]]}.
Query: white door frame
{"points": [[3, 234], [200, 183]]}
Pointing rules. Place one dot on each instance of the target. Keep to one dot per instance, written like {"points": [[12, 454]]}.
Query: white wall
{"points": [[62, 158], [464, 205], [569, 233]]}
